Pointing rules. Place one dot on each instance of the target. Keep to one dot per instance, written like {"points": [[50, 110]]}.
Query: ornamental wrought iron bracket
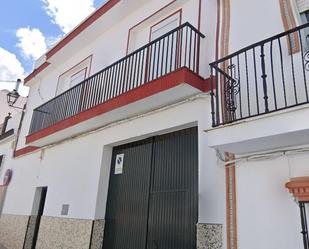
{"points": [[306, 56], [231, 89]]}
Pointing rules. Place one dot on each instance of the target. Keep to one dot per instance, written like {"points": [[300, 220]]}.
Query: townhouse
{"points": [[165, 124]]}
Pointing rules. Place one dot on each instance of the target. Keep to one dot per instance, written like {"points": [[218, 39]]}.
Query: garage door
{"points": [[152, 200]]}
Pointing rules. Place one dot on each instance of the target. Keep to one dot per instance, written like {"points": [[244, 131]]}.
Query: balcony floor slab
{"points": [[269, 132], [164, 91]]}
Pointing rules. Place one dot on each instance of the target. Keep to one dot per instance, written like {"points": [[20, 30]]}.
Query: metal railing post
{"points": [[264, 76], [304, 224], [212, 98]]}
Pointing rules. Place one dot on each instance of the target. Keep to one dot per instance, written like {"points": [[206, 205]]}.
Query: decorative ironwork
{"points": [[261, 78], [304, 224], [178, 48], [306, 60], [231, 90], [306, 56]]}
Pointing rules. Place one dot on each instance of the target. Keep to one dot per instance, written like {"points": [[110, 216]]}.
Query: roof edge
{"points": [[70, 36]]}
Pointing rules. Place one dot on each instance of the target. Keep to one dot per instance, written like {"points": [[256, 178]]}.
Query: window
{"points": [[158, 24], [304, 17], [165, 26], [73, 76], [78, 77], [306, 14]]}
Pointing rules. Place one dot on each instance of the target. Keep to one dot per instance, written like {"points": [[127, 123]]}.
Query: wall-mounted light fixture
{"points": [[13, 96]]}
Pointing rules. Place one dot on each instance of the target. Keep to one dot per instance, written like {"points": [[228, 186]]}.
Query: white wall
{"points": [[76, 172], [268, 217], [71, 170], [110, 45]]}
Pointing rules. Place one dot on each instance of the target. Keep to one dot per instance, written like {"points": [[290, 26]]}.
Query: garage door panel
{"points": [[152, 201], [173, 192], [127, 209]]}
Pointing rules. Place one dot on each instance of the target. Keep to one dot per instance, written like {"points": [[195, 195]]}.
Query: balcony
{"points": [[260, 95], [159, 73]]}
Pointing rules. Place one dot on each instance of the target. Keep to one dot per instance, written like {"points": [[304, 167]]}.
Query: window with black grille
{"points": [[304, 16]]}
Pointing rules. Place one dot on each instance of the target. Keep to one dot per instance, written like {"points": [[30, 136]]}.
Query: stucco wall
{"points": [[78, 169], [111, 43], [267, 215]]}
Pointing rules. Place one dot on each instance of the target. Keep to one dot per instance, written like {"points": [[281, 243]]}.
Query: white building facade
{"points": [[130, 140]]}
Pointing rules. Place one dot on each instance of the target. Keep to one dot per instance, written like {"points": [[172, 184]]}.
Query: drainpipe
{"points": [[6, 119]]}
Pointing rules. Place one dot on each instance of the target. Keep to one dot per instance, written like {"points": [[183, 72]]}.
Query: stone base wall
{"points": [[97, 234], [12, 231], [209, 236], [64, 233]]}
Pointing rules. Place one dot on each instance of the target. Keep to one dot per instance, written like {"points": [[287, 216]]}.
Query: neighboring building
{"points": [[130, 140]]}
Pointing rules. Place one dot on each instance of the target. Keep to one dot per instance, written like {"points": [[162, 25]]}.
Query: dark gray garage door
{"points": [[152, 201]]}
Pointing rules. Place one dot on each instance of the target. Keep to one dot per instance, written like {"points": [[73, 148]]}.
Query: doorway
{"points": [[153, 193], [35, 218]]}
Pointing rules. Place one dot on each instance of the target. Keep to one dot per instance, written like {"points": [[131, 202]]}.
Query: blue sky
{"points": [[28, 28]]}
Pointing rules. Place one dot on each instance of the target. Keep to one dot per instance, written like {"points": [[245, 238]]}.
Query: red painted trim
{"points": [[147, 18], [25, 150], [199, 15], [163, 83], [199, 29], [36, 72], [218, 29]]}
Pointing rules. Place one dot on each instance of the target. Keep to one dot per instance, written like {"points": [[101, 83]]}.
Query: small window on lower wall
{"points": [[65, 209]]}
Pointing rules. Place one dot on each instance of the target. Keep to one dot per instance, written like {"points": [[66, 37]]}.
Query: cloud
{"points": [[11, 69], [68, 13], [31, 42], [52, 40]]}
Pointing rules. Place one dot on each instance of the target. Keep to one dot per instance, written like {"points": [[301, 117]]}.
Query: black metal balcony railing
{"points": [[176, 49], [268, 76]]}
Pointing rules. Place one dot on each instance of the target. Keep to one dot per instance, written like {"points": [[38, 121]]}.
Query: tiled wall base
{"points": [[13, 230], [63, 233], [97, 234], [209, 236]]}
